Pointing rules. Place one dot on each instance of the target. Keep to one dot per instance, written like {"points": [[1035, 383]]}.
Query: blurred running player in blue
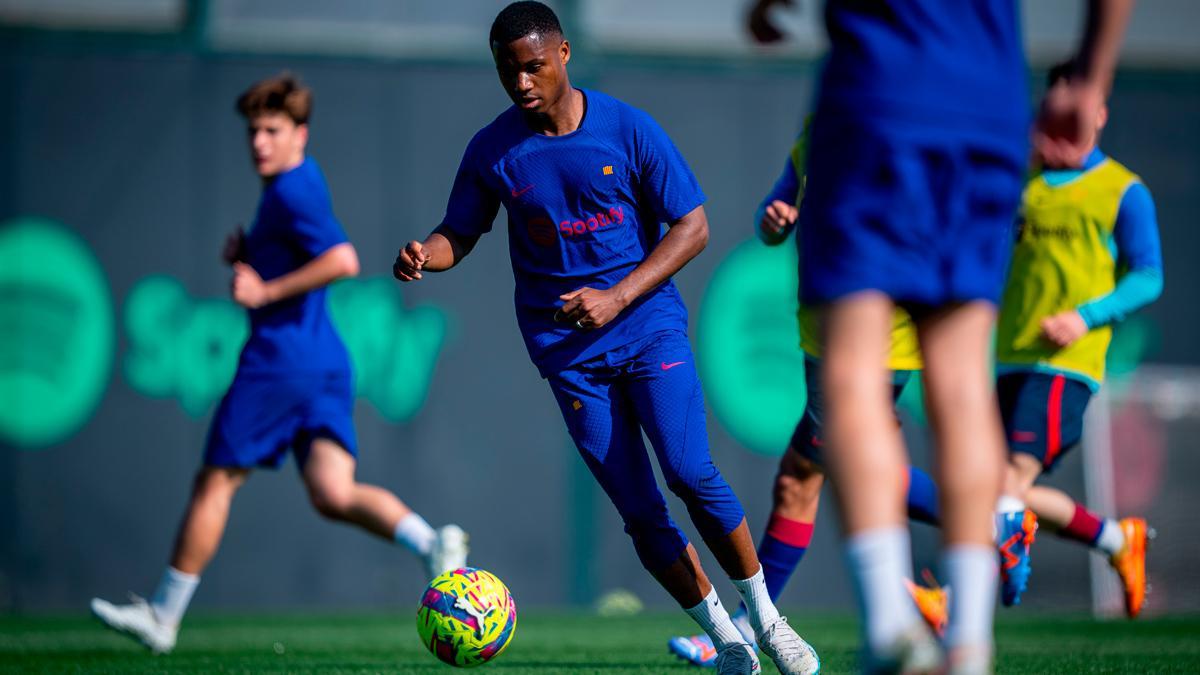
{"points": [[294, 389], [918, 149], [587, 182]]}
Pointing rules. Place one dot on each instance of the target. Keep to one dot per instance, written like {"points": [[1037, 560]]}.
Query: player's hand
{"points": [[777, 217], [409, 262], [758, 21], [1066, 124], [590, 308], [235, 247], [1064, 328], [249, 290]]}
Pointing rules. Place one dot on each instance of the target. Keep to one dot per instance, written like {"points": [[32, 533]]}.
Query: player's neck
{"points": [[297, 161], [564, 117]]}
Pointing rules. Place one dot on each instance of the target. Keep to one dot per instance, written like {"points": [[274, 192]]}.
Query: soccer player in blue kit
{"points": [[293, 389], [587, 182], [914, 176]]}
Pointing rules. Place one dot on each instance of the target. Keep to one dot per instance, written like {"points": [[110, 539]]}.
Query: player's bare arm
{"points": [[778, 219], [440, 251], [251, 292], [1061, 137], [592, 308]]}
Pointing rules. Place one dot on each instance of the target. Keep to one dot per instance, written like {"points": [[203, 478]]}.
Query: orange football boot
{"points": [[1130, 563], [933, 602]]}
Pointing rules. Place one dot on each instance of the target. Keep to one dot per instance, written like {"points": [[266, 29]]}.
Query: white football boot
{"points": [[449, 551], [791, 654], [738, 659], [915, 652], [138, 621]]}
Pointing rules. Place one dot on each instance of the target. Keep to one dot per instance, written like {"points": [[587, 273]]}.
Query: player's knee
{"points": [[797, 492], [695, 490], [1020, 473], [331, 501], [216, 484]]}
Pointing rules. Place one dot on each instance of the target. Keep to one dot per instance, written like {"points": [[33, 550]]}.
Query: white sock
{"points": [[758, 603], [711, 616], [971, 571], [415, 534], [879, 562], [741, 621], [174, 592], [1112, 537], [1007, 504]]}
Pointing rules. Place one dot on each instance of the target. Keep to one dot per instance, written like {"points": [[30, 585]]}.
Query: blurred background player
{"points": [[293, 389], [915, 165], [587, 182], [1087, 255], [801, 474]]}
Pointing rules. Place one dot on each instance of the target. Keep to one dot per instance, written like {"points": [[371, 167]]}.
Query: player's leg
{"points": [[244, 433], [326, 450], [329, 477], [205, 517], [328, 471], [155, 623], [970, 441], [1043, 418], [866, 460], [796, 496], [1123, 541], [609, 441], [669, 405]]}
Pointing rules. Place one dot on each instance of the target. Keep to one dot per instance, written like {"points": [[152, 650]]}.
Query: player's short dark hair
{"points": [[282, 93], [1063, 70], [521, 19]]}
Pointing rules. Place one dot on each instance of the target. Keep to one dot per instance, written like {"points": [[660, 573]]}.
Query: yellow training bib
{"points": [[1063, 258]]}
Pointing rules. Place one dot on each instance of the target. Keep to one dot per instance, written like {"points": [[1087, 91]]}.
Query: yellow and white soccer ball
{"points": [[467, 617]]}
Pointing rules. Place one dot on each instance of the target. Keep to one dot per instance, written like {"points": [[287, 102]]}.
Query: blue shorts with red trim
{"points": [[808, 438], [1042, 413]]}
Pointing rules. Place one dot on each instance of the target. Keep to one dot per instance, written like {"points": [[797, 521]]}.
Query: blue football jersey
{"points": [[584, 209], [294, 224]]}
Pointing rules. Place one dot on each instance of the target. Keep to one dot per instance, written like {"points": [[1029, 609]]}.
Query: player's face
{"points": [[276, 143], [533, 70]]}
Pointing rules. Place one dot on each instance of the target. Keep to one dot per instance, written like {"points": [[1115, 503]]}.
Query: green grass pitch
{"points": [[553, 643]]}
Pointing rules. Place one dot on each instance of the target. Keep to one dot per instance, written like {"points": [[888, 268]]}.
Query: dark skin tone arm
{"points": [[441, 250]]}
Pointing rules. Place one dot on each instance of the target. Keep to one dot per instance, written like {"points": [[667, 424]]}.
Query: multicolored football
{"points": [[467, 617]]}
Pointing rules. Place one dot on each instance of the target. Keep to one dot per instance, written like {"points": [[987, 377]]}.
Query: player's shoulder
{"points": [[302, 188], [611, 112], [1122, 172], [497, 136]]}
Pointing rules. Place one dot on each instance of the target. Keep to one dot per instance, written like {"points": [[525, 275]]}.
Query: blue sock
{"points": [[922, 497]]}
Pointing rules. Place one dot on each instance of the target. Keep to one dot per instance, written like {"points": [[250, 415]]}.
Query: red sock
{"points": [[1084, 527], [791, 532]]}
